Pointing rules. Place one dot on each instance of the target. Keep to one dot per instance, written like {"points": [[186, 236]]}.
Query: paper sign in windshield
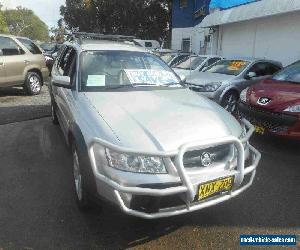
{"points": [[96, 81], [151, 77], [236, 65]]}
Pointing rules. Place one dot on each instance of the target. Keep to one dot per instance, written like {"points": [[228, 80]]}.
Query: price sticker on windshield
{"points": [[151, 77], [236, 65]]}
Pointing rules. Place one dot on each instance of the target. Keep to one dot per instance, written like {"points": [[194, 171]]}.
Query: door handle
{"points": [[26, 61]]}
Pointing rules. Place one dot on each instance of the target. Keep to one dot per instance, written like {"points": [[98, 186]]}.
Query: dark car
{"points": [[273, 105]]}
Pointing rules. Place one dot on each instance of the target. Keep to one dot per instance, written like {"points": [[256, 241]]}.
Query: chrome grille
{"points": [[218, 154]]}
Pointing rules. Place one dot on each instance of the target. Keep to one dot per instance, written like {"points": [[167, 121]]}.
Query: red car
{"points": [[273, 105]]}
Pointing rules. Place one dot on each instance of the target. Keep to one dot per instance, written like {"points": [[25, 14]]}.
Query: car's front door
{"points": [[64, 97], [14, 61]]}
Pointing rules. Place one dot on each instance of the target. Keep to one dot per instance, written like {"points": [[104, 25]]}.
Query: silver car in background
{"points": [[194, 63], [139, 138], [224, 81]]}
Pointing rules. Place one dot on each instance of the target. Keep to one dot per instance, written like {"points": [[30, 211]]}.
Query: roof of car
{"points": [[91, 44]]}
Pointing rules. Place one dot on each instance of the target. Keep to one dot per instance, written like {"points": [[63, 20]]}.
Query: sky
{"points": [[47, 10]]}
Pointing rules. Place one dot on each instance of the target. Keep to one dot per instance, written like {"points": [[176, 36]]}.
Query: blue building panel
{"points": [[196, 10], [226, 4], [191, 15]]}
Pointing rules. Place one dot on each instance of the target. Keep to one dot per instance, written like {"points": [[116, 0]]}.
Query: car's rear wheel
{"points": [[81, 195], [33, 83], [230, 101]]}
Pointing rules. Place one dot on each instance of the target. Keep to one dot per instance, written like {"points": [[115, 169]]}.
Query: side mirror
{"points": [[62, 81], [251, 75]]}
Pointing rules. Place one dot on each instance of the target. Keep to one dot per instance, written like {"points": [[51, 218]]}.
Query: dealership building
{"points": [[263, 29]]}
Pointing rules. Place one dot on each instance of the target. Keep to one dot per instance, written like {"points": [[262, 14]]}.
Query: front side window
{"points": [[30, 46], [9, 48], [112, 69], [289, 74], [191, 62], [228, 67]]}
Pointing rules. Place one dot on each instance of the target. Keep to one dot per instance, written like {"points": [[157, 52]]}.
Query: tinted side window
{"points": [[9, 47], [261, 69], [30, 46], [273, 69], [63, 60]]}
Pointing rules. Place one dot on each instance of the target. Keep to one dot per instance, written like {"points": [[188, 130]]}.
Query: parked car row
{"points": [[258, 90]]}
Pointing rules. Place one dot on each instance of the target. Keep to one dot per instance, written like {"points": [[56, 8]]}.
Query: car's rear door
{"points": [[13, 59]]}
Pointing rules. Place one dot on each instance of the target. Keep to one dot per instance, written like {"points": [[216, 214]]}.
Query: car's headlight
{"points": [[243, 95], [136, 164], [293, 109], [211, 87]]}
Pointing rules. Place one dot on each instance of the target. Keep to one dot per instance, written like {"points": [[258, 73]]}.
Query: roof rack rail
{"points": [[80, 36]]}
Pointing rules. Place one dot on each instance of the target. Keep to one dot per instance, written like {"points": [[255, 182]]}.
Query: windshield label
{"points": [[236, 65], [96, 81], [153, 77]]}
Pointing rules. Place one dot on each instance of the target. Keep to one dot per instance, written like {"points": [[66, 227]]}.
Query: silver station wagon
{"points": [[140, 139]]}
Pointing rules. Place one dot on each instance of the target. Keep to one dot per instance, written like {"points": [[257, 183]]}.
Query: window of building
{"points": [[186, 45], [148, 44], [183, 3]]}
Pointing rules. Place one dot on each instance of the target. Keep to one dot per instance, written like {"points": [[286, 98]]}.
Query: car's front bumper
{"points": [[121, 192], [280, 124]]}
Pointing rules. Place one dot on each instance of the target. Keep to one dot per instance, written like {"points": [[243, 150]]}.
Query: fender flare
{"points": [[75, 136]]}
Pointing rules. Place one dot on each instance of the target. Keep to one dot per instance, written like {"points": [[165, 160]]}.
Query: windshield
{"points": [[228, 67], [116, 69], [167, 57], [191, 62], [290, 74]]}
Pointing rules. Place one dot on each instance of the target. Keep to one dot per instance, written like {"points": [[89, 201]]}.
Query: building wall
{"points": [[185, 21], [196, 35], [274, 38]]}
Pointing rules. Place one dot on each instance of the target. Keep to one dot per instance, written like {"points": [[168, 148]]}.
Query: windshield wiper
{"points": [[120, 86]]}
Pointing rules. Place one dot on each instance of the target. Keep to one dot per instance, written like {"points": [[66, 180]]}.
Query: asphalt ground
{"points": [[38, 210]]}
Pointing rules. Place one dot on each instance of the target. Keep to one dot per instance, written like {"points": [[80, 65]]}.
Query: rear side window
{"points": [[30, 46], [9, 48]]}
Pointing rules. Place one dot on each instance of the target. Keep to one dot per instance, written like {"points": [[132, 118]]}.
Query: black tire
{"points": [[33, 83], [230, 101], [80, 190], [53, 113]]}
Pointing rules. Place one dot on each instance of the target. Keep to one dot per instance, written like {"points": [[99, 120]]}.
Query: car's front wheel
{"points": [[81, 195], [230, 101], [33, 83]]}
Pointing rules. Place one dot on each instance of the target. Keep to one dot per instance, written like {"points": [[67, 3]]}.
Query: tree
{"points": [[145, 19], [58, 32], [23, 22], [3, 24]]}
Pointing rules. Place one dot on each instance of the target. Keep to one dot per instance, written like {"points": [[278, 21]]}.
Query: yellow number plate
{"points": [[259, 130], [215, 187]]}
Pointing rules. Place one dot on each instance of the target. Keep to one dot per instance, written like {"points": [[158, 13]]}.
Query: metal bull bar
{"points": [[187, 186]]}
